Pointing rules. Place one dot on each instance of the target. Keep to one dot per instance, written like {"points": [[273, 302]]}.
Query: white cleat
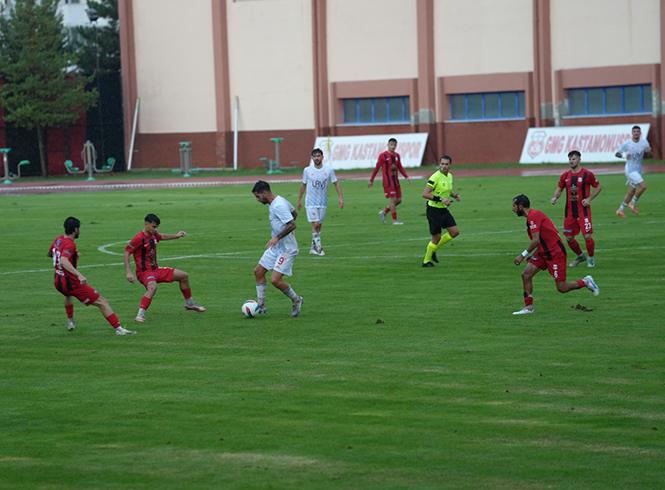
{"points": [[578, 260], [71, 326], [122, 331], [313, 252], [524, 311], [397, 222], [382, 215], [140, 318], [297, 304], [591, 286]]}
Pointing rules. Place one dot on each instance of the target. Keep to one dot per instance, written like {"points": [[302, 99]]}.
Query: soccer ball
{"points": [[250, 308]]}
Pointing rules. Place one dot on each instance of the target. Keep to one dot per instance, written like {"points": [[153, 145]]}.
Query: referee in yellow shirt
{"points": [[438, 192]]}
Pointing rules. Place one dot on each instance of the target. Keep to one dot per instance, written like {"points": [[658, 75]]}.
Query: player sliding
{"points": [[144, 248], [72, 284], [550, 254]]}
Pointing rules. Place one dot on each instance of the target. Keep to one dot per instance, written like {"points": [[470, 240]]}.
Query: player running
{"points": [[633, 150], [550, 254], [577, 215], [72, 284], [144, 249]]}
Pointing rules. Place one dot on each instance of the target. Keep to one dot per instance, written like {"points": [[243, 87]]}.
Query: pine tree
{"points": [[42, 88]]}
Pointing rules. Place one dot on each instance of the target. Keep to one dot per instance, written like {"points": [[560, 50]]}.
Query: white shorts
{"points": [[316, 214], [634, 178], [281, 262]]}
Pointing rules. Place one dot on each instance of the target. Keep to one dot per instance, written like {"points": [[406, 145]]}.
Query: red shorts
{"points": [[572, 226], [392, 192], [162, 274], [556, 266], [84, 293]]}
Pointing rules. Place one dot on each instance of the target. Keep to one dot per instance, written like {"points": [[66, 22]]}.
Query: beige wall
{"points": [[597, 33], [175, 79], [474, 37], [372, 40], [270, 61]]}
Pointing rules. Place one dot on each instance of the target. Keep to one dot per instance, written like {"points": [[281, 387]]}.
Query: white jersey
{"points": [[636, 150], [317, 180], [280, 215]]}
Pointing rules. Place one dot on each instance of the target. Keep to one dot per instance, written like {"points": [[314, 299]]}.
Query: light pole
{"points": [[94, 16]]}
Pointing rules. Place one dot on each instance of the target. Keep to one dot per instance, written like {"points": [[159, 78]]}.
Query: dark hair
{"points": [[317, 151], [447, 157], [152, 218], [71, 224], [574, 152], [636, 127], [261, 186], [522, 200], [392, 139]]}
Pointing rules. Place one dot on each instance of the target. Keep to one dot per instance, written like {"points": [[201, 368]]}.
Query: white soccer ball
{"points": [[250, 308]]}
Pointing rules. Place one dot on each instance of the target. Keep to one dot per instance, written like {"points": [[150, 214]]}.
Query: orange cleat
{"points": [[633, 208], [620, 213]]}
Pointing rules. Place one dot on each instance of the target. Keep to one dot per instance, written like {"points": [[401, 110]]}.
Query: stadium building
{"points": [[473, 74]]}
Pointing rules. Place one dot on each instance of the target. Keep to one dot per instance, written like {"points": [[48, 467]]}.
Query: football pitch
{"points": [[393, 376]]}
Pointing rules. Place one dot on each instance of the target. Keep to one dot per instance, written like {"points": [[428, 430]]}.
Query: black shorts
{"points": [[439, 218]]}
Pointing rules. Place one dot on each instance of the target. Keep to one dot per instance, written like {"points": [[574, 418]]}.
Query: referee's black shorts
{"points": [[439, 218]]}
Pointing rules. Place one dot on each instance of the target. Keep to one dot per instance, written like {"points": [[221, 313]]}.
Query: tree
{"points": [[42, 87]]}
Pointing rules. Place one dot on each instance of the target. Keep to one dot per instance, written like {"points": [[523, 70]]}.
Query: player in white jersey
{"points": [[281, 249], [633, 150], [315, 179]]}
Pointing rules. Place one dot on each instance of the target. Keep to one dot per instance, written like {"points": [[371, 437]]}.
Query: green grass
{"points": [[392, 377]]}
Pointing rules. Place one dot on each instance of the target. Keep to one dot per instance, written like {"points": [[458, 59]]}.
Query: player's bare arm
{"points": [[427, 194], [288, 228], [557, 195], [303, 186], [535, 239], [128, 268], [67, 265], [586, 202], [339, 193], [180, 234]]}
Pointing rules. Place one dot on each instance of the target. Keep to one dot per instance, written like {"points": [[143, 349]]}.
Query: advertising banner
{"points": [[595, 143], [349, 152]]}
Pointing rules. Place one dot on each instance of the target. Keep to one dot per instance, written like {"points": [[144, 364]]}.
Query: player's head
{"points": [[574, 158], [317, 152], [152, 218], [392, 140], [71, 225], [317, 157], [637, 131], [520, 203], [392, 144], [261, 190]]}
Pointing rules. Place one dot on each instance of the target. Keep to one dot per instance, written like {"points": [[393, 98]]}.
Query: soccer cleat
{"points": [[397, 222], [313, 252], [70, 326], [320, 252], [296, 306], [578, 260], [591, 286], [591, 263], [633, 208], [524, 311], [428, 264], [262, 311], [140, 318], [122, 331], [195, 307], [620, 213], [434, 257], [382, 215]]}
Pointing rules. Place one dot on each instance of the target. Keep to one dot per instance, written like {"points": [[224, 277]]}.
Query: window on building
{"points": [[610, 100], [377, 110], [490, 105]]}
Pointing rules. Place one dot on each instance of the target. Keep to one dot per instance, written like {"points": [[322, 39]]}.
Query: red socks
{"points": [[187, 293], [113, 320], [575, 247], [145, 302], [70, 311], [590, 247]]}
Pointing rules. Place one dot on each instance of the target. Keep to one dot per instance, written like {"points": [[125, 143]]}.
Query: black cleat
{"points": [[434, 258], [428, 264]]}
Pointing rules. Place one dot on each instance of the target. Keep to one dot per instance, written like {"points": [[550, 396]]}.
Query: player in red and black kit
{"points": [[144, 248], [71, 283], [390, 163], [550, 254], [578, 182]]}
